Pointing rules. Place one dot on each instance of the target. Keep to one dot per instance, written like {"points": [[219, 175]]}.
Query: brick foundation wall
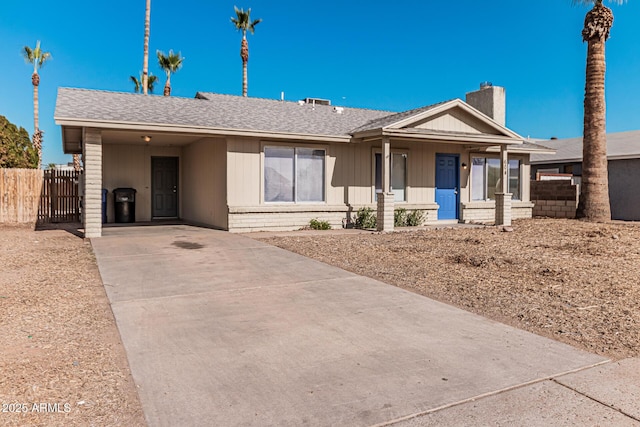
{"points": [[554, 199]]}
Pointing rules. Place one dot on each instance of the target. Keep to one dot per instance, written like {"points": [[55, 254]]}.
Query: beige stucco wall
{"points": [[204, 175], [130, 166]]}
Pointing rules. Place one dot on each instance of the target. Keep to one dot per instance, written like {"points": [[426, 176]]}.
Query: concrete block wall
{"points": [[484, 212], [281, 221], [554, 199], [485, 215], [430, 216], [92, 202], [385, 219]]}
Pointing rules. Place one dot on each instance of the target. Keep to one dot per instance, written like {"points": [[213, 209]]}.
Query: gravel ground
{"points": [[573, 281], [61, 358]]}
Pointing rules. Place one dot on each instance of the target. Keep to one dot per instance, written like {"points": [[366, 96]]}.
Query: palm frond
{"points": [[590, 2], [136, 82], [28, 54], [170, 63], [151, 82], [243, 22], [36, 56]]}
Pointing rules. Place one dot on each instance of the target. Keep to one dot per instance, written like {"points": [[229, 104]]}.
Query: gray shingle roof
{"points": [[619, 145], [390, 119], [209, 110]]}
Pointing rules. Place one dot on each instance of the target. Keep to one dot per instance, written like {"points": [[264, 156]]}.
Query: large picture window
{"points": [[293, 174], [485, 178], [398, 175]]}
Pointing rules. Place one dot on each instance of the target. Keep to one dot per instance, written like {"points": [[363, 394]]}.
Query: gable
{"points": [[454, 120]]}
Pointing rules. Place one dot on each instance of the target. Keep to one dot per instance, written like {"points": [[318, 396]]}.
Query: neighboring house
{"points": [[243, 164], [623, 154]]}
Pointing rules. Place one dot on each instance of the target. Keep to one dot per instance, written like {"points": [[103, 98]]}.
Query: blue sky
{"points": [[374, 54]]}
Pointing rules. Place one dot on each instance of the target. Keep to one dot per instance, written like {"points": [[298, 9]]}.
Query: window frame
{"points": [[295, 149], [485, 189], [399, 151]]}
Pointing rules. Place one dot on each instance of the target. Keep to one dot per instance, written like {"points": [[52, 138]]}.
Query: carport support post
{"points": [[384, 219], [503, 198], [92, 203]]}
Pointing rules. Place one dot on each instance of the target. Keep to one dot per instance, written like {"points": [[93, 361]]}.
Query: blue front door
{"points": [[447, 185]]}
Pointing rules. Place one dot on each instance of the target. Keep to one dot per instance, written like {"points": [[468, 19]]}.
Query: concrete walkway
{"points": [[221, 329]]}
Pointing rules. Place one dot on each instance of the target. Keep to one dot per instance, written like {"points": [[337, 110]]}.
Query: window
{"points": [[485, 178], [293, 174], [398, 175]]}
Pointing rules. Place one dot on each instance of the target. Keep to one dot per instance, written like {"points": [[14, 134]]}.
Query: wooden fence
{"points": [[60, 199], [19, 195]]}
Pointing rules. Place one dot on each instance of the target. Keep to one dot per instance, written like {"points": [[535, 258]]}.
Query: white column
{"points": [[384, 218], [503, 198], [92, 204], [386, 165]]}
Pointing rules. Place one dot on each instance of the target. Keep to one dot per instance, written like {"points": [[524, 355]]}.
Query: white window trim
{"points": [[265, 145], [485, 190], [405, 152]]}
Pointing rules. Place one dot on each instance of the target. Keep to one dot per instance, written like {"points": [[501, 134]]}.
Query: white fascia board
{"points": [[422, 115], [196, 130], [555, 161], [453, 138], [579, 159], [452, 104], [518, 149]]}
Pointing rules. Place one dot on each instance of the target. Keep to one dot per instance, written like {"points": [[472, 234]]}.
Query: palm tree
{"points": [[594, 200], [145, 60], [170, 64], [37, 58], [243, 23], [151, 82]]}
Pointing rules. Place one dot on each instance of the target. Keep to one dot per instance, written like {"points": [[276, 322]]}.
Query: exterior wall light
{"points": [[146, 138], [464, 166]]}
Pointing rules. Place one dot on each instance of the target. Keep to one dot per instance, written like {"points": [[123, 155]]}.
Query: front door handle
{"points": [[455, 190]]}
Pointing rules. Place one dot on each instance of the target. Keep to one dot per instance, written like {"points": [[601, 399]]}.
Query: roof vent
{"points": [[338, 110], [316, 101]]}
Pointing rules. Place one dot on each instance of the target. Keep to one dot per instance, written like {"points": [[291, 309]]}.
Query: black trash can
{"points": [[104, 205], [125, 204]]}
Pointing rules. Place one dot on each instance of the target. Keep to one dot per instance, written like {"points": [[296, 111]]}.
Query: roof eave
{"points": [[196, 130]]}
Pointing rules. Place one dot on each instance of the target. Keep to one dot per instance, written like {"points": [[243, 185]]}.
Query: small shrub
{"points": [[415, 218], [315, 224], [400, 217], [365, 218]]}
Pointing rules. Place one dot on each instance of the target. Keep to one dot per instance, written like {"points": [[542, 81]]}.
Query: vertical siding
{"points": [[456, 121], [130, 166], [243, 172], [204, 182]]}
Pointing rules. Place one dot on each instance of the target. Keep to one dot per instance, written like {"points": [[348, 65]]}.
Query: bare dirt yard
{"points": [[61, 359], [573, 281]]}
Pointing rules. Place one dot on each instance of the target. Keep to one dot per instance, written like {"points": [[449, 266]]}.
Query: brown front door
{"points": [[164, 187]]}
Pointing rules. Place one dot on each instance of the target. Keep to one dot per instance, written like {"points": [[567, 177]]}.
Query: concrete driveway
{"points": [[224, 330]]}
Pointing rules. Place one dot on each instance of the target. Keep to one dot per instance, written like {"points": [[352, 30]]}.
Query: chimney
{"points": [[490, 100]]}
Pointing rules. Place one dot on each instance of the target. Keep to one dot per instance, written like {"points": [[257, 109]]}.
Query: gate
{"points": [[60, 198]]}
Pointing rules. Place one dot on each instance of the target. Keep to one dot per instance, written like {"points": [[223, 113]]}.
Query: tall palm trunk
{"points": [[167, 86], [594, 199], [76, 162], [37, 134], [145, 61], [244, 54]]}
